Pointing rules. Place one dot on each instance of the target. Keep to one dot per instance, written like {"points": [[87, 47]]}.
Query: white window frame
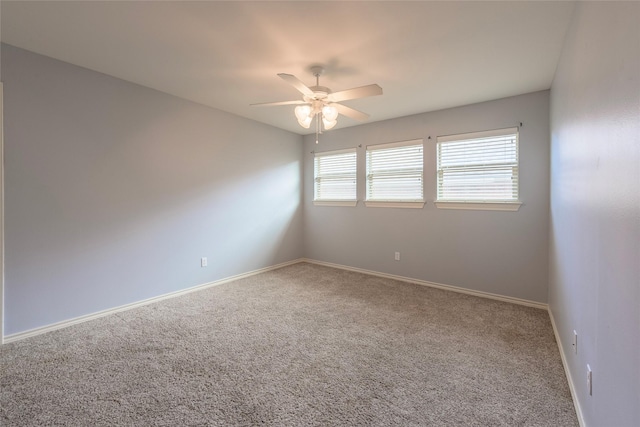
{"points": [[353, 176], [416, 203], [475, 204]]}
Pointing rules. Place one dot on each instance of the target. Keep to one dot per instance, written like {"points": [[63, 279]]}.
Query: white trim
{"points": [[330, 153], [342, 170], [479, 206], [70, 322], [394, 204], [513, 300], [65, 323], [335, 202], [477, 135], [565, 365], [394, 144], [2, 311], [37, 331]]}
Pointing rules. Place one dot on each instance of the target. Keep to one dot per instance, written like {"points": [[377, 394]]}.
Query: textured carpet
{"points": [[302, 345]]}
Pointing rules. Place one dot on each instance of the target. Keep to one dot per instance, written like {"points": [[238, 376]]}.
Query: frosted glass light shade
{"points": [[303, 112], [328, 124], [305, 122], [330, 113]]}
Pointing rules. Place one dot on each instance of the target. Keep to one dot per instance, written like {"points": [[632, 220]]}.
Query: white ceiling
{"points": [[426, 55]]}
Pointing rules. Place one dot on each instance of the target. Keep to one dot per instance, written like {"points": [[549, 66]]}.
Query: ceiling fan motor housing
{"points": [[319, 92]]}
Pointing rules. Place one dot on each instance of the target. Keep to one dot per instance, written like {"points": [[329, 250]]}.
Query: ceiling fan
{"points": [[320, 103]]}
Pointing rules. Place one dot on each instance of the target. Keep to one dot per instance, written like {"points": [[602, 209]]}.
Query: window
{"points": [[394, 174], [335, 178], [478, 170]]}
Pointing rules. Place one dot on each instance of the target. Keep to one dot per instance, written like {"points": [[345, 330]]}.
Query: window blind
{"points": [[481, 166], [394, 171], [335, 175]]}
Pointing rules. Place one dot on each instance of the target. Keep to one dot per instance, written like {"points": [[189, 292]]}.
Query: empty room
{"points": [[377, 213]]}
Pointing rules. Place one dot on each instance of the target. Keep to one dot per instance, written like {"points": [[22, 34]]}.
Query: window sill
{"points": [[480, 206], [349, 203], [395, 204]]}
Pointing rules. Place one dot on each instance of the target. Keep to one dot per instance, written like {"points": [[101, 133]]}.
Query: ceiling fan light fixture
{"points": [[321, 103]]}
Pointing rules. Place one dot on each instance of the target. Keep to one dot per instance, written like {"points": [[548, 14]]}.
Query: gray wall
{"points": [[595, 209], [114, 191], [499, 252]]}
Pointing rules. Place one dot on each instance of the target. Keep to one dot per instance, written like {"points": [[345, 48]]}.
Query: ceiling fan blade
{"points": [[351, 113], [270, 104], [358, 92], [295, 82]]}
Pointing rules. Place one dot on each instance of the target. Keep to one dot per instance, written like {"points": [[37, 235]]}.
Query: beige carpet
{"points": [[302, 345]]}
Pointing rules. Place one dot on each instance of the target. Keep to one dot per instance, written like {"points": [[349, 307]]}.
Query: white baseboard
{"points": [[66, 323], [519, 301], [565, 364], [481, 294]]}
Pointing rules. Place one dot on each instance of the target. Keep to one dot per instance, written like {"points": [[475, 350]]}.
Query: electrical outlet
{"points": [[575, 342], [397, 256], [203, 262], [589, 380]]}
